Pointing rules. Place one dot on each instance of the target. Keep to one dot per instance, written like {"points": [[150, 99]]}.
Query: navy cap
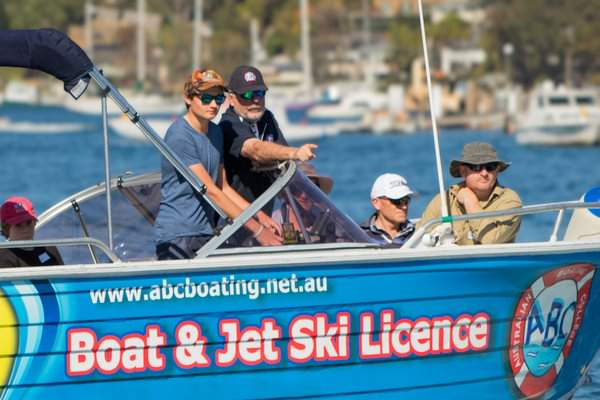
{"points": [[246, 78]]}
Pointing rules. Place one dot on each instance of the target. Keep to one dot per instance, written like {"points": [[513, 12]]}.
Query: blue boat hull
{"points": [[470, 327]]}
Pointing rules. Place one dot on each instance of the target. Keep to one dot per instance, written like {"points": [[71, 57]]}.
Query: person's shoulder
{"points": [[453, 189], [53, 251], [436, 197], [506, 192], [4, 253], [268, 115], [366, 224], [8, 258], [212, 127], [176, 129], [229, 118]]}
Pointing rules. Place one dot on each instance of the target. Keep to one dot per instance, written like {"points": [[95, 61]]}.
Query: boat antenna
{"points": [[436, 141]]}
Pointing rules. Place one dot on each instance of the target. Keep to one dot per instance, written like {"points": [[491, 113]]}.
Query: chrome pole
{"points": [[107, 170], [436, 141], [557, 223], [156, 140]]}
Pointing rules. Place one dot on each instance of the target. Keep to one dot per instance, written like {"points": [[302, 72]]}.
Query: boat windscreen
{"points": [[306, 215], [133, 211]]}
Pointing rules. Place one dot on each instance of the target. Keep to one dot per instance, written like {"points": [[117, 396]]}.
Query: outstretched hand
{"points": [[306, 152]]}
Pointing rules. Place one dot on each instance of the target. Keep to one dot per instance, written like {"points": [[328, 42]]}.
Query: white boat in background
{"points": [[148, 104], [560, 116], [351, 112], [36, 128], [297, 131], [21, 92], [123, 127]]}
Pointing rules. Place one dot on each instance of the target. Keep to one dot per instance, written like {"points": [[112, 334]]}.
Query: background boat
{"points": [[124, 127], [560, 116], [35, 128]]}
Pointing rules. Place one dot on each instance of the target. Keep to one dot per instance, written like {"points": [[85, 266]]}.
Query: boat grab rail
{"points": [[63, 242], [289, 169], [415, 239]]}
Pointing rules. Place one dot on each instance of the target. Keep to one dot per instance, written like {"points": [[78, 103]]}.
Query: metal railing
{"points": [[63, 242], [257, 205], [536, 209]]}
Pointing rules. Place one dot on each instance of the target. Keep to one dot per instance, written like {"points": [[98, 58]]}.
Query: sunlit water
{"points": [[47, 168]]}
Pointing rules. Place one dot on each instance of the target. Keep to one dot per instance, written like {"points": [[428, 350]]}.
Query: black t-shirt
{"points": [[35, 257], [248, 183]]}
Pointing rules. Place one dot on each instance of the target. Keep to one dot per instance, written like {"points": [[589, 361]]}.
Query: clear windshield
{"points": [[306, 215], [304, 212], [134, 209]]}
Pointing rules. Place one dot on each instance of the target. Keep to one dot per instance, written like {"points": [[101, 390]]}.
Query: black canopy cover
{"points": [[47, 50]]}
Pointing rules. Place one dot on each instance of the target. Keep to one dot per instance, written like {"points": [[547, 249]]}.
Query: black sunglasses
{"points": [[401, 202], [206, 98], [253, 94], [489, 167]]}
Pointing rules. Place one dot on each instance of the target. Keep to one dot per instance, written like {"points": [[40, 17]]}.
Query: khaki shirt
{"points": [[482, 230]]}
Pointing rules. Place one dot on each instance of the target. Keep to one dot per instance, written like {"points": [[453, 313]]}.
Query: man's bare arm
{"points": [[262, 152]]}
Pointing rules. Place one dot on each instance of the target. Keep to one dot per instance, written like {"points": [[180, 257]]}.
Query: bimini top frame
{"points": [[53, 52]]}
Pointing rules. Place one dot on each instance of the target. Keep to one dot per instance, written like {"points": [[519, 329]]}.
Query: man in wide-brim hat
{"points": [[479, 191]]}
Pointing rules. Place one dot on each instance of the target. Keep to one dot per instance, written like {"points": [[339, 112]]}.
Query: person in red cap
{"points": [[18, 219], [185, 222]]}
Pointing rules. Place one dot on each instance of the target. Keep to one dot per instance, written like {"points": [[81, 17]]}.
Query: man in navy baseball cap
{"points": [[246, 78], [252, 137]]}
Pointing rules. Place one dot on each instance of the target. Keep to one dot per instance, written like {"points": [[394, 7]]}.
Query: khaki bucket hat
{"points": [[476, 153]]}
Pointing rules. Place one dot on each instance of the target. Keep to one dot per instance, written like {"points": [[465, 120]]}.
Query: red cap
{"points": [[16, 210]]}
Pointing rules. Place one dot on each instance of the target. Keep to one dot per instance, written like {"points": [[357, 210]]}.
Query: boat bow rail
{"points": [[417, 238], [86, 241]]}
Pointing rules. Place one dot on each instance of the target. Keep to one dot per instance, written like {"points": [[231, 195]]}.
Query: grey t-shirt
{"points": [[183, 212]]}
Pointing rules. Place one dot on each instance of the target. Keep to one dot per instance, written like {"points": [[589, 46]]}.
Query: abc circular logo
{"points": [[545, 325]]}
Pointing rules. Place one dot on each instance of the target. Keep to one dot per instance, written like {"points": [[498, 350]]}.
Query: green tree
{"points": [[405, 46], [58, 14], [451, 31], [283, 36], [547, 36]]}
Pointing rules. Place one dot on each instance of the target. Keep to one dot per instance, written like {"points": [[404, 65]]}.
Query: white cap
{"points": [[392, 186]]}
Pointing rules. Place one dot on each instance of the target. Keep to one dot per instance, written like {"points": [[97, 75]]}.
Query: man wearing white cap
{"points": [[389, 224]]}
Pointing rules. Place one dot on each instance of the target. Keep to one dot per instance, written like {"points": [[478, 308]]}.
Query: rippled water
{"points": [[46, 168]]}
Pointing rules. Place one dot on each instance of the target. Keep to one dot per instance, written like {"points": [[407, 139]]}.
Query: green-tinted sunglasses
{"points": [[206, 99], [252, 94]]}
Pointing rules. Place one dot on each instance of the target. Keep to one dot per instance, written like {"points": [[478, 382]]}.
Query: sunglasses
{"points": [[206, 99], [253, 94], [401, 202], [489, 167]]}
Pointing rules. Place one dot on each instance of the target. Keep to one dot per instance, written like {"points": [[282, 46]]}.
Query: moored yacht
{"points": [[560, 116]]}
